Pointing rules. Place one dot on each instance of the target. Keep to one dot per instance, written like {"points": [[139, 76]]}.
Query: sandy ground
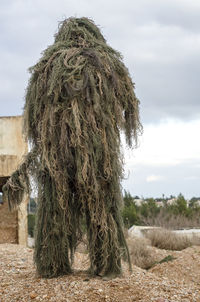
{"points": [[178, 280]]}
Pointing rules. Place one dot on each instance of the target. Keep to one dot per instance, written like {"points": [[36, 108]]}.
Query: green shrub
{"points": [[129, 216]]}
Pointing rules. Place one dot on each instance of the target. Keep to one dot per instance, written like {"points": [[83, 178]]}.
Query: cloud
{"points": [[183, 178], [154, 178], [172, 143], [166, 66], [166, 162], [160, 42]]}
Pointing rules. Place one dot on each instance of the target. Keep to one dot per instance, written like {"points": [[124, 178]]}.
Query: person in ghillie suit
{"points": [[79, 98]]}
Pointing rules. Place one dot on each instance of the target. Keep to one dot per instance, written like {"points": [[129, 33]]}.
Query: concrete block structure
{"points": [[13, 225]]}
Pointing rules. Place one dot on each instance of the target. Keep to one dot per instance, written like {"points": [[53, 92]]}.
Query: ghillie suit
{"points": [[80, 96]]}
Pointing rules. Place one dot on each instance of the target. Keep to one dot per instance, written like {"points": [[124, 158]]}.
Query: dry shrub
{"points": [[126, 234], [171, 221], [195, 239], [141, 254], [167, 240]]}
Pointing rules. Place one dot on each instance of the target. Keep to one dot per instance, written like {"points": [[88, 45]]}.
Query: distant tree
{"points": [[179, 207], [128, 199], [181, 204], [193, 202], [130, 216], [129, 212], [149, 208]]}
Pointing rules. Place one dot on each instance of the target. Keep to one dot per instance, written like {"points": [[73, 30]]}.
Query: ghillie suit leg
{"points": [[51, 239], [79, 98], [106, 243]]}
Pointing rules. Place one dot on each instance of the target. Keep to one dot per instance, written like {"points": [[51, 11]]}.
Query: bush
{"points": [[129, 212], [31, 224], [149, 208], [195, 240], [168, 220], [167, 240], [140, 253], [129, 216]]}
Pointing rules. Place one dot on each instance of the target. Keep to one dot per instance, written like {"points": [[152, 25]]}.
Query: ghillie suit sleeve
{"points": [[19, 182], [80, 96]]}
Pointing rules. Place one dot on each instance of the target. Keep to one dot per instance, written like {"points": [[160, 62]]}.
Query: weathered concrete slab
{"points": [[8, 225], [12, 144], [139, 231], [13, 226]]}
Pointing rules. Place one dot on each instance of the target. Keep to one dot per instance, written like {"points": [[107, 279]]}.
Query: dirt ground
{"points": [[177, 280]]}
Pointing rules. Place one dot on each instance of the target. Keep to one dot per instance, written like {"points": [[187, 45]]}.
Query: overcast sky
{"points": [[160, 43]]}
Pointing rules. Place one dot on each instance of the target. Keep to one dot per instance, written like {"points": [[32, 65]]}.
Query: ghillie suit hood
{"points": [[79, 98]]}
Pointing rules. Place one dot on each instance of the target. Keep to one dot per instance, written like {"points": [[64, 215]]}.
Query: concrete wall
{"points": [[12, 149], [8, 225], [12, 144]]}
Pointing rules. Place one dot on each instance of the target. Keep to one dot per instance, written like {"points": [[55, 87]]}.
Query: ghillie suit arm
{"points": [[19, 183], [80, 96]]}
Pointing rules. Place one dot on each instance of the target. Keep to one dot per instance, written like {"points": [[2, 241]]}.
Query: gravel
{"points": [[177, 280]]}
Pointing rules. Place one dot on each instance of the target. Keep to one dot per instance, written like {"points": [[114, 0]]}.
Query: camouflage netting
{"points": [[80, 96]]}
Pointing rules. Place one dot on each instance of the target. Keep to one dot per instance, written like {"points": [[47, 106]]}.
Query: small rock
{"points": [[33, 295]]}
